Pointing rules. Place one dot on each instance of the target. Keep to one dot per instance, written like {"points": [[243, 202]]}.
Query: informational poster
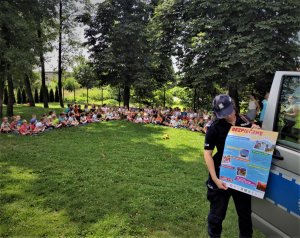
{"points": [[247, 159]]}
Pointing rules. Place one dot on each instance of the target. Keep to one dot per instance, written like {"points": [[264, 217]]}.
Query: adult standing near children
{"points": [[290, 116], [217, 193], [253, 108], [264, 107]]}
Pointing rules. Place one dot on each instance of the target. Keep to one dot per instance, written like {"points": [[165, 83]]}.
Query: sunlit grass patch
{"points": [[108, 179]]}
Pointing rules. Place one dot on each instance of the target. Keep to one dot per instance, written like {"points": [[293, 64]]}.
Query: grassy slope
{"points": [[113, 179]]}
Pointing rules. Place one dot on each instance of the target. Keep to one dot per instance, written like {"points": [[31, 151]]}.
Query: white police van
{"points": [[278, 214]]}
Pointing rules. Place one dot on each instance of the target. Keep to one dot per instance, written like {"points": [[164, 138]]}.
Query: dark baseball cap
{"points": [[222, 106]]}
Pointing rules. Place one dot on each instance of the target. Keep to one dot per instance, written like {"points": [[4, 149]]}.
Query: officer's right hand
{"points": [[221, 184]]}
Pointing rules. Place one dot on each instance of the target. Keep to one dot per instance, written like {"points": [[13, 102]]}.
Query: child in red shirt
{"points": [[24, 129]]}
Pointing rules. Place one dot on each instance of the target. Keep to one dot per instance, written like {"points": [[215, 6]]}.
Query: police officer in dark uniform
{"points": [[218, 194]]}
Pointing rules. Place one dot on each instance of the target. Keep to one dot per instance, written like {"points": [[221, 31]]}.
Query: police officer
{"points": [[218, 194]]}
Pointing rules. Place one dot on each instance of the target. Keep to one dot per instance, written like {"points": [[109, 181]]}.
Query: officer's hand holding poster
{"points": [[247, 160]]}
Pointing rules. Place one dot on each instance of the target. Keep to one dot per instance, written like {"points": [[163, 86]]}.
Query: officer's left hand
{"points": [[254, 126]]}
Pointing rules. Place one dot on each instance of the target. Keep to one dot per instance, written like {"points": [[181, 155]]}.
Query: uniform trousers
{"points": [[219, 199]]}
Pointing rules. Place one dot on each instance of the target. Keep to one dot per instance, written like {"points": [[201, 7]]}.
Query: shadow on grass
{"points": [[112, 179]]}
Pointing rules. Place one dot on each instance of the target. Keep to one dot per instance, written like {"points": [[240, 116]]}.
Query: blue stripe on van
{"points": [[284, 193]]}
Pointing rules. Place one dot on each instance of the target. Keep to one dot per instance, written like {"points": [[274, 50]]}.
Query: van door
{"points": [[278, 215]]}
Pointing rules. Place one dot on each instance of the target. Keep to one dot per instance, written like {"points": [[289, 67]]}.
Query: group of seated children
{"points": [[74, 116], [46, 122], [198, 123]]}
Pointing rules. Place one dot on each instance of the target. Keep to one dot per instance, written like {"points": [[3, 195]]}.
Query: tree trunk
{"points": [[43, 73], [119, 96], [11, 96], [126, 95], [43, 76], [74, 95], [2, 83], [28, 90], [102, 95], [87, 95], [61, 101], [164, 102], [195, 98], [233, 93]]}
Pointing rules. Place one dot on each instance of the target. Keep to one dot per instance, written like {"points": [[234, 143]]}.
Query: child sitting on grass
{"points": [[173, 121], [14, 125], [72, 120], [83, 120], [158, 120], [95, 117], [55, 122], [146, 118], [89, 117], [24, 130], [47, 123], [62, 119], [5, 126], [39, 128], [33, 119], [138, 118]]}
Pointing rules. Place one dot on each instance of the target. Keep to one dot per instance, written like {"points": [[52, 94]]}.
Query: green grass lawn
{"points": [[111, 179]]}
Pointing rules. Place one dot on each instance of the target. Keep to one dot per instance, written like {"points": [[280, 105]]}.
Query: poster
{"points": [[247, 159]]}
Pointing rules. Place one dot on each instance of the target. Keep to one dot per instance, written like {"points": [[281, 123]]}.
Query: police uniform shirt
{"points": [[216, 136]]}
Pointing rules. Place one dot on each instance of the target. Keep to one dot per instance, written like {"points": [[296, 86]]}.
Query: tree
{"points": [[41, 94], [45, 28], [115, 60], [51, 95], [56, 98], [67, 43], [5, 100], [36, 96], [24, 97], [2, 85], [18, 45], [28, 90], [19, 96], [235, 47], [85, 76], [71, 85]]}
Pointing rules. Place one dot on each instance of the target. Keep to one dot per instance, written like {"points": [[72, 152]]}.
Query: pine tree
{"points": [[41, 95], [24, 96], [5, 96], [19, 96], [56, 99], [51, 95], [36, 96]]}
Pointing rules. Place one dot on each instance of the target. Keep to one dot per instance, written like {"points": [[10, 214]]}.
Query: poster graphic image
{"points": [[247, 160]]}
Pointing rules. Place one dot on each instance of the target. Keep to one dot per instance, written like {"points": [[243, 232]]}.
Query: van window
{"points": [[288, 116]]}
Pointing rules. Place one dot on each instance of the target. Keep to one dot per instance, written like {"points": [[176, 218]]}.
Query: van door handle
{"points": [[276, 155]]}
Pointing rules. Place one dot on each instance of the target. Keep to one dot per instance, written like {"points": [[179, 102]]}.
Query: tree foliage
{"points": [[118, 39], [232, 44]]}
